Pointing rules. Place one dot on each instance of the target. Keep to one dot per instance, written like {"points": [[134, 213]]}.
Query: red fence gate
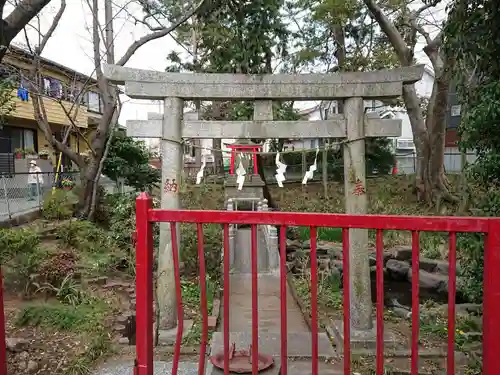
{"points": [[146, 216]]}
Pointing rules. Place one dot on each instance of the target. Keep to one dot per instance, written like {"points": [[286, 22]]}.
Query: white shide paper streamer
{"points": [[310, 173], [240, 173], [280, 171], [199, 175]]}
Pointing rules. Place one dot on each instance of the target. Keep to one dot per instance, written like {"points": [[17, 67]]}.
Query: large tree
{"points": [[402, 26], [102, 40]]}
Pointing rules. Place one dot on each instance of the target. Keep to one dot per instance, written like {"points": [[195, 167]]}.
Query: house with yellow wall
{"points": [[65, 91]]}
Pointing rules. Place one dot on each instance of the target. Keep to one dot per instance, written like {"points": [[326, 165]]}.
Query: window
{"points": [[405, 144], [94, 102], [52, 87], [13, 138], [455, 110], [313, 143]]}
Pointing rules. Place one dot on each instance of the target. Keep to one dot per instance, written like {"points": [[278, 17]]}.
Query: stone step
{"points": [[299, 344], [269, 320], [295, 368], [265, 302]]}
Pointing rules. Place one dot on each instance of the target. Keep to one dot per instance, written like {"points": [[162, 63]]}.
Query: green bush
{"points": [[471, 249], [84, 236], [212, 241], [21, 252], [58, 204]]}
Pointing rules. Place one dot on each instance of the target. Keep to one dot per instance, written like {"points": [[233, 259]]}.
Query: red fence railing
{"points": [[146, 216], [3, 337]]}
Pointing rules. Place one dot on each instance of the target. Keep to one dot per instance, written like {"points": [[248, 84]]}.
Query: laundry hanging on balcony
{"points": [[23, 94]]}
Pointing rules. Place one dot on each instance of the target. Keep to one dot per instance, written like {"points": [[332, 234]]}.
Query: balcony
{"points": [[55, 113]]}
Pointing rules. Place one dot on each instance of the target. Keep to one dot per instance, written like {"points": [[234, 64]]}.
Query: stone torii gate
{"points": [[353, 125]]}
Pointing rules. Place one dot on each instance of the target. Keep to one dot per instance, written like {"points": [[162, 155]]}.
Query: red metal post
{"points": [[346, 301], [491, 299], [283, 284], [204, 301], [178, 294], [231, 165], [314, 299], [3, 349], [452, 291], [226, 299], [379, 248], [144, 286], [255, 303], [415, 298]]}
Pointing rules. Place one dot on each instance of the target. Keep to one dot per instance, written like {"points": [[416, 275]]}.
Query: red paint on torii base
{"points": [[244, 149]]}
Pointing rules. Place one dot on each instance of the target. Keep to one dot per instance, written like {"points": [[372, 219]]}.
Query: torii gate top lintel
{"points": [[147, 84]]}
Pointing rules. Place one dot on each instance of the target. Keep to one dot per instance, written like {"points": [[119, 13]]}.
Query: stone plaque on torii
{"points": [[354, 125]]}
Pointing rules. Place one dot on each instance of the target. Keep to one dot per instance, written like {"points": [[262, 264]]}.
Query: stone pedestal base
{"points": [[360, 339], [252, 188], [167, 337]]}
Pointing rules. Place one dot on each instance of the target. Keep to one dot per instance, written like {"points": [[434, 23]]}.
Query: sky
{"points": [[71, 44]]}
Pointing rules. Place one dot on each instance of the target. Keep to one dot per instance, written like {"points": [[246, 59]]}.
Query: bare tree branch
{"points": [[52, 27], [425, 7], [157, 34]]}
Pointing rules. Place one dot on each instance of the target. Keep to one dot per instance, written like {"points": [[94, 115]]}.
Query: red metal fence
{"points": [[146, 216], [453, 225]]}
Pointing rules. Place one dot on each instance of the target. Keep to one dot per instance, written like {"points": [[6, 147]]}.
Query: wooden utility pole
{"points": [[109, 42]]}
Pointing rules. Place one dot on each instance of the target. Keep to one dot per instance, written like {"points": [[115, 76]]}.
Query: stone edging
{"points": [[213, 319], [298, 300], [20, 219]]}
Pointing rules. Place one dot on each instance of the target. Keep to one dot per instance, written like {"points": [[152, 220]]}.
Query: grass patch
{"points": [[99, 347], [88, 317], [191, 298], [322, 234]]}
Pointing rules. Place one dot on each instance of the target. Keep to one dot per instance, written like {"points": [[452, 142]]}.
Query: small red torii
{"points": [[244, 146]]}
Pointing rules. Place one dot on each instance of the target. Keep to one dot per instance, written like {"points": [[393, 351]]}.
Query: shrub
{"points": [[58, 205], [84, 236], [20, 251], [212, 241], [471, 249]]}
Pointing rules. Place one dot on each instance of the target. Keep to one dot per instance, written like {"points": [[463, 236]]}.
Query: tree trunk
{"points": [[218, 162]]}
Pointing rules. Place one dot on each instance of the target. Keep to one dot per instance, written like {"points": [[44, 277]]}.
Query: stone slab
{"points": [[232, 91], [250, 181], [299, 343], [361, 339], [160, 368], [305, 368], [120, 75], [168, 337], [333, 128]]}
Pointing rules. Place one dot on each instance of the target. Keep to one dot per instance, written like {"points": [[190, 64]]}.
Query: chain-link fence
{"points": [[407, 163], [25, 192]]}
